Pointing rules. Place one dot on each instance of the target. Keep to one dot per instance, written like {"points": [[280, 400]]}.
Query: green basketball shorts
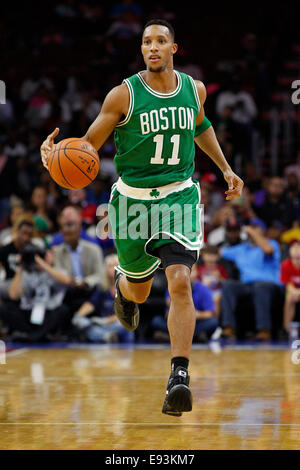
{"points": [[144, 219]]}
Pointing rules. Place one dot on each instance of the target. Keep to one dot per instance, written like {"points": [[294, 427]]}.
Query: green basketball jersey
{"points": [[155, 142]]}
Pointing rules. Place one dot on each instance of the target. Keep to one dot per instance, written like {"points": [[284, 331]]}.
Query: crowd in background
{"points": [[56, 280]]}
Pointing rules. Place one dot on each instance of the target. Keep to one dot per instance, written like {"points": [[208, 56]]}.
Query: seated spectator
{"points": [[217, 235], [212, 274], [293, 233], [39, 205], [35, 307], [209, 182], [97, 192], [290, 276], [96, 319], [294, 168], [206, 321], [78, 198], [6, 234], [23, 232], [258, 261], [244, 107], [41, 229], [71, 215], [293, 192], [81, 260], [233, 234], [276, 206]]}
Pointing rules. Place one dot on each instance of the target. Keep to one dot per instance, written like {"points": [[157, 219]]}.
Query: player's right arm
{"points": [[114, 107]]}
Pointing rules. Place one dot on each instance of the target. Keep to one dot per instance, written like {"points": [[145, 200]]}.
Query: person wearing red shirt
{"points": [[290, 276]]}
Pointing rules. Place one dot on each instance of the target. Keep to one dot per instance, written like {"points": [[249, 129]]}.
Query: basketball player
{"points": [[156, 116]]}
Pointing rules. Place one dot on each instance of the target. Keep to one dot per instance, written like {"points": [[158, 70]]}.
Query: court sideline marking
{"points": [[150, 377], [154, 424]]}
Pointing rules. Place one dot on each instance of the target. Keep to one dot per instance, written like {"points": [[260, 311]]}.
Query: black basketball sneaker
{"points": [[178, 394], [126, 311]]}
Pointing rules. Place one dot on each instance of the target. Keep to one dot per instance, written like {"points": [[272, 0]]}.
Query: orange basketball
{"points": [[74, 164]]}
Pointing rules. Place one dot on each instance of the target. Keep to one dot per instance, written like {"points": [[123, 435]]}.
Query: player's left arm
{"points": [[207, 141]]}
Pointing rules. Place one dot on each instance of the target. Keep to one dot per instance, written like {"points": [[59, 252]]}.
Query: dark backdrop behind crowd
{"points": [[60, 58], [81, 49]]}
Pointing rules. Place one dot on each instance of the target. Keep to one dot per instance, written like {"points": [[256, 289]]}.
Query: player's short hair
{"points": [[162, 23]]}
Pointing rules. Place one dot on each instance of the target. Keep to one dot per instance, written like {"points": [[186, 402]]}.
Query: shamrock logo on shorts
{"points": [[154, 193]]}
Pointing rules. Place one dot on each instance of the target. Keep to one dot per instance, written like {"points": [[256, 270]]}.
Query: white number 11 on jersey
{"points": [[159, 140]]}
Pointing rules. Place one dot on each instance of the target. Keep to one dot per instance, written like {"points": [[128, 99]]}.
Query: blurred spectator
{"points": [[125, 28], [206, 321], [242, 103], [160, 11], [34, 309], [81, 260], [212, 274], [77, 198], [242, 206], [14, 147], [96, 319], [41, 232], [7, 115], [220, 219], [97, 193], [294, 168], [293, 193], [22, 233], [209, 181], [233, 234], [71, 215], [276, 206], [185, 63], [66, 9], [6, 233], [126, 6], [290, 276], [291, 234], [32, 83], [209, 210], [258, 261], [39, 108], [39, 205]]}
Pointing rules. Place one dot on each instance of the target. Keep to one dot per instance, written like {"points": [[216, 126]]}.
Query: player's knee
{"points": [[179, 282], [139, 296]]}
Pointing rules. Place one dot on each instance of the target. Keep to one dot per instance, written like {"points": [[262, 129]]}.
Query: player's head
{"points": [[158, 46]]}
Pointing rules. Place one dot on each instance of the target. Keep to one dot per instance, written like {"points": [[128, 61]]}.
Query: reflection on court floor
{"points": [[109, 398]]}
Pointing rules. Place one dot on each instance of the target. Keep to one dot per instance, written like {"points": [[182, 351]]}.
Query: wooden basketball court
{"points": [[108, 398]]}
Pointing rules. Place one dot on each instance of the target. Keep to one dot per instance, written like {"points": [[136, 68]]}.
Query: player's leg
{"points": [[129, 293], [134, 275], [181, 326], [135, 291], [181, 318], [178, 261]]}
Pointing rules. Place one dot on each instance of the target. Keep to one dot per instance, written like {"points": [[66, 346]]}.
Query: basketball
{"points": [[74, 164]]}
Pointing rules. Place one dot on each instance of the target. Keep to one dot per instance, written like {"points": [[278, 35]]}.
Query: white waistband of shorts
{"points": [[152, 194]]}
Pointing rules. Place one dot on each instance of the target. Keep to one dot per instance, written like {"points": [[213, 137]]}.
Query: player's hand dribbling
{"points": [[235, 185], [48, 146]]}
